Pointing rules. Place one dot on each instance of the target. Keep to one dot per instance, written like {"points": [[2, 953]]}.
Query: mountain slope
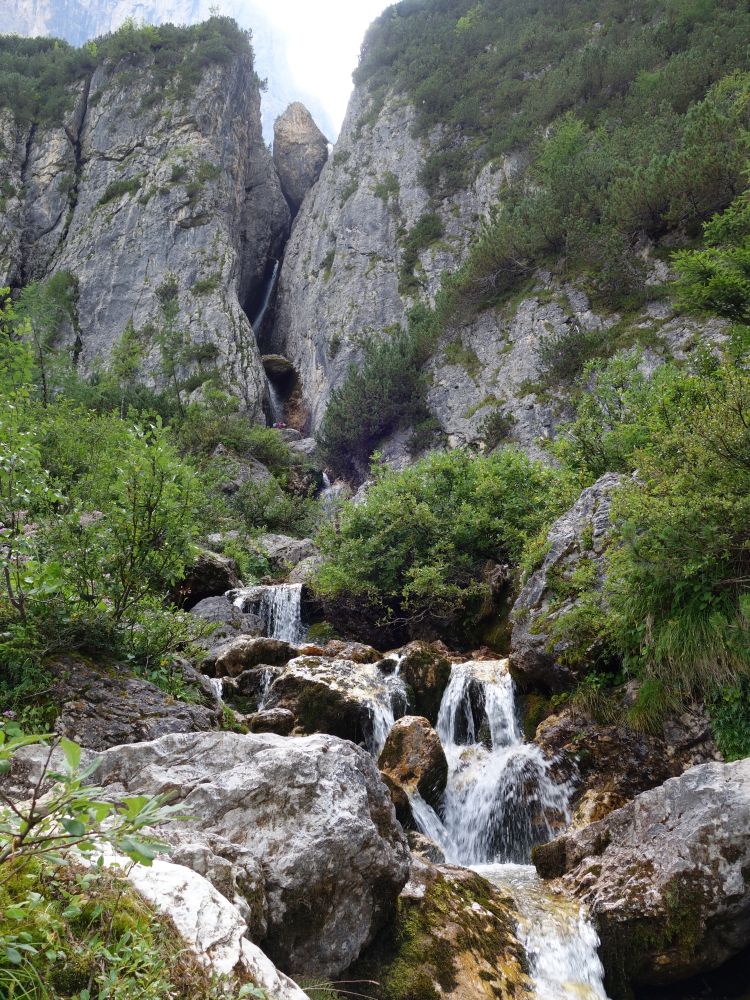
{"points": [[517, 171]]}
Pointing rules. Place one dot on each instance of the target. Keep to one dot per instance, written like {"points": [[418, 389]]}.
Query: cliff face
{"points": [[146, 203], [349, 275]]}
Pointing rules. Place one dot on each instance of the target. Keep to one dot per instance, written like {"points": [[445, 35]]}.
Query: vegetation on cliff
{"points": [[38, 75]]}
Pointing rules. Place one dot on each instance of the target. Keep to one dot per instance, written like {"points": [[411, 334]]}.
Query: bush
{"points": [[414, 550]]}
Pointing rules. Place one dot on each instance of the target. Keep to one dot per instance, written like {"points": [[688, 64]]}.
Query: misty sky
{"points": [[323, 38]]}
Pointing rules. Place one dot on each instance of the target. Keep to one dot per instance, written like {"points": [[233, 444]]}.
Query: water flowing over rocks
{"points": [[300, 151], [665, 877], [313, 812], [582, 533]]}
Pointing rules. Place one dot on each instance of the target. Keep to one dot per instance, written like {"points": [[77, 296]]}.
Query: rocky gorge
{"points": [[406, 730]]}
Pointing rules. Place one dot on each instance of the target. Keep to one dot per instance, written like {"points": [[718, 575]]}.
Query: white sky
{"points": [[323, 39]]}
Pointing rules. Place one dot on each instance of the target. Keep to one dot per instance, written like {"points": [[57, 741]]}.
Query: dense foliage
{"points": [[106, 489], [416, 548], [676, 598], [38, 75]]}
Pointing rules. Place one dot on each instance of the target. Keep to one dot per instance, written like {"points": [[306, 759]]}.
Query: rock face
{"points": [[300, 151], [453, 937], [666, 877], [284, 552], [104, 707], [426, 671], [311, 812], [211, 575], [580, 536], [414, 760], [609, 765], [163, 213], [347, 277]]}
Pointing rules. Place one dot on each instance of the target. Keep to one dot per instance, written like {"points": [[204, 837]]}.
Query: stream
{"points": [[501, 799]]}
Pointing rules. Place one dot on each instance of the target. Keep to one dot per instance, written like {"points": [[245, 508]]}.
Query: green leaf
{"points": [[72, 753]]}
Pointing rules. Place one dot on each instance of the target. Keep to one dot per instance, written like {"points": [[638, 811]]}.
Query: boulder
{"points": [[228, 621], [357, 652], [211, 575], [454, 937], [305, 569], [666, 877], [426, 671], [210, 925], [237, 655], [424, 848], [300, 151], [272, 720], [580, 536], [284, 552], [414, 759], [311, 811], [102, 707], [608, 765], [333, 696], [237, 472]]}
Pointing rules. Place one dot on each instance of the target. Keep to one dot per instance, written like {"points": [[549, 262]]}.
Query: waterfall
{"points": [[502, 783], [267, 296], [279, 607], [267, 680], [275, 402], [388, 706], [501, 799]]}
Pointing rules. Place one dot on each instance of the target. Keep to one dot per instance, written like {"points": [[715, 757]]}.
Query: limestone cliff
{"points": [[148, 199]]}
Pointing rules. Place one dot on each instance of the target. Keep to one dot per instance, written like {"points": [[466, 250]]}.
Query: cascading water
{"points": [[279, 607], [267, 296], [388, 706], [501, 799]]}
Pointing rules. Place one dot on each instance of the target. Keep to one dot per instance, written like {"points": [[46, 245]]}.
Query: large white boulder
{"points": [[311, 813]]}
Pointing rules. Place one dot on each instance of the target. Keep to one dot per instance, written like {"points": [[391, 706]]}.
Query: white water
{"points": [[265, 686], [217, 686], [390, 705], [275, 402], [279, 607], [270, 289], [501, 799]]}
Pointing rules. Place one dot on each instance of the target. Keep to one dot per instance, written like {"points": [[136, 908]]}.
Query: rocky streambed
{"points": [[379, 815]]}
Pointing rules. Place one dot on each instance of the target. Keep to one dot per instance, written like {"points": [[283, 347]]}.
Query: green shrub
{"points": [[116, 189], [415, 548]]}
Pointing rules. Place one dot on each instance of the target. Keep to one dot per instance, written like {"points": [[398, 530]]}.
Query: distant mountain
{"points": [[79, 20]]}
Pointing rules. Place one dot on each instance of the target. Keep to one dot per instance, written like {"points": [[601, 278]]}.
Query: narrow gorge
{"points": [[374, 565]]}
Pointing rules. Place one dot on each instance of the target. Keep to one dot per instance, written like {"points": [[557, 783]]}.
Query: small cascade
{"points": [[279, 607], [266, 681], [559, 939], [267, 297], [331, 497], [501, 799], [217, 686], [391, 705], [502, 783]]}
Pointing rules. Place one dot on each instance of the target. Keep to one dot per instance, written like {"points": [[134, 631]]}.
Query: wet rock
{"points": [[414, 759], [102, 707], [211, 575], [272, 720], [665, 877], [237, 655], [424, 848], [581, 534], [426, 670], [333, 696], [300, 151], [283, 552], [454, 937], [610, 764], [312, 812]]}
